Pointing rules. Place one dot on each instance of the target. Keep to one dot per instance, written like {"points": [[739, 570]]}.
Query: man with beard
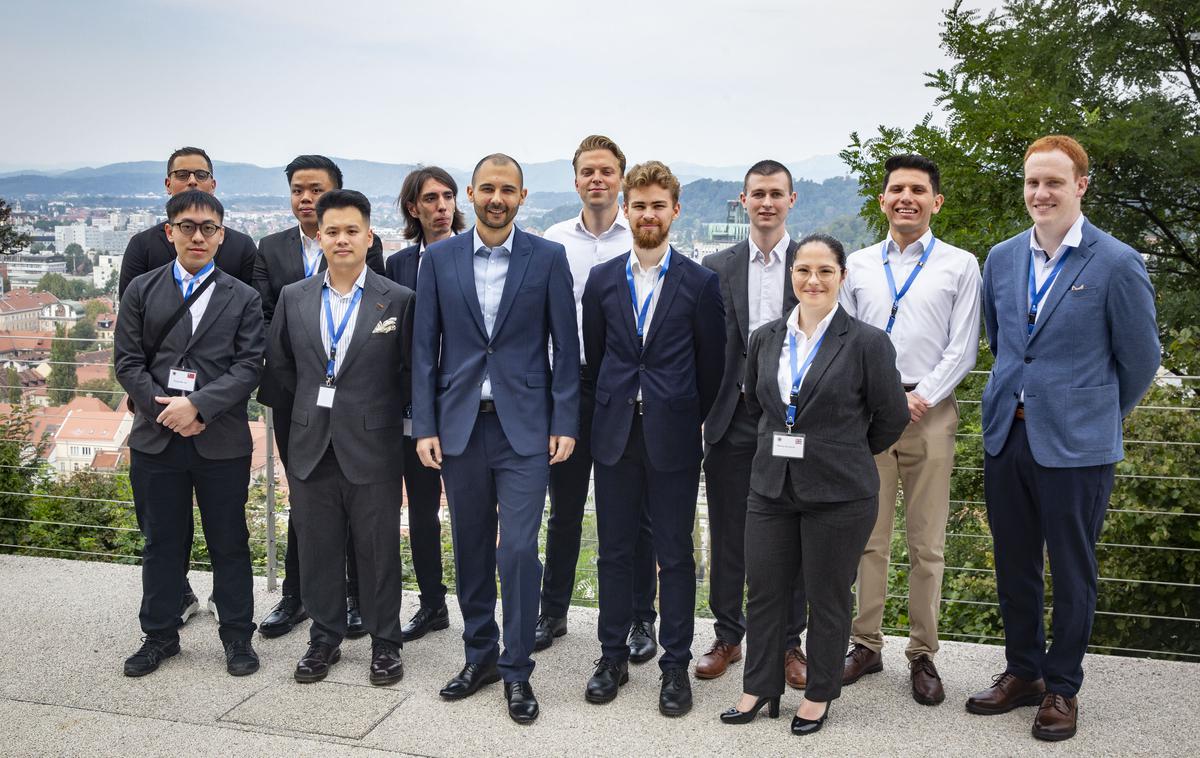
{"points": [[491, 411], [654, 338]]}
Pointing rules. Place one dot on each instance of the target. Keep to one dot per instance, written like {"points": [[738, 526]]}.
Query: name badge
{"points": [[408, 420], [325, 396], [182, 379], [788, 445]]}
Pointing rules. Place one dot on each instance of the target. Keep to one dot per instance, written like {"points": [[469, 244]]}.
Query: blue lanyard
{"points": [[1035, 294], [897, 296], [335, 335], [192, 283], [645, 307], [798, 375], [308, 271]]}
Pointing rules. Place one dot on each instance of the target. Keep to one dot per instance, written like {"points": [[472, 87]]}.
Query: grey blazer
{"points": [[226, 351], [851, 406], [365, 425]]}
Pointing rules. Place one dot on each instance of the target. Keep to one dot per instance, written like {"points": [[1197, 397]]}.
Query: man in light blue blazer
{"points": [[1069, 313], [492, 412]]}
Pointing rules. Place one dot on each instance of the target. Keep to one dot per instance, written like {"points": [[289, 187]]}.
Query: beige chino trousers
{"points": [[920, 461]]}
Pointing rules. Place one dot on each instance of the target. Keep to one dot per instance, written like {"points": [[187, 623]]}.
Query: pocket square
{"points": [[385, 326], [1077, 287]]}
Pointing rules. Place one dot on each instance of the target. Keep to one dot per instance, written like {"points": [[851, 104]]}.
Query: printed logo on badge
{"points": [[788, 445], [183, 379]]}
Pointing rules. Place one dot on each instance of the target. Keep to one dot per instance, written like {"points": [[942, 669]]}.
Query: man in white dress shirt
{"points": [[925, 293]]}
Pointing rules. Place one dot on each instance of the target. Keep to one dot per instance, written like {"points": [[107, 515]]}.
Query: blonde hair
{"points": [[651, 172], [598, 142]]}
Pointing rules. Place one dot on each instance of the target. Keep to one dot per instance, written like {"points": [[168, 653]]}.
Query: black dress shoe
{"points": [[469, 680], [642, 646], [317, 660], [386, 666], [803, 726], [675, 698], [424, 621], [240, 658], [522, 705], [734, 716], [189, 604], [152, 652], [288, 612], [608, 678], [354, 622], [548, 627]]}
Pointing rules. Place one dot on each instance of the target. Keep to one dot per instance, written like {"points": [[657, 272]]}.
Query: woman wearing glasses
{"points": [[827, 397]]}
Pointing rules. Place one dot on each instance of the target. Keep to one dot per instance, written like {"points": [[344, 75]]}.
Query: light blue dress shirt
{"points": [[491, 269]]}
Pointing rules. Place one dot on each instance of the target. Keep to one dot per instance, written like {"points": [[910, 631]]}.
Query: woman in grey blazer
{"points": [[827, 396]]}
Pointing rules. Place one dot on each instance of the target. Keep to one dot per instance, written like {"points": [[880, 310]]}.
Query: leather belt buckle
{"points": [[487, 406], [640, 408]]}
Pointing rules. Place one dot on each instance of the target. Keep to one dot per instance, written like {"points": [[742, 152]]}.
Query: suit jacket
{"points": [[367, 418], [452, 350], [149, 249], [678, 371], [401, 268], [731, 265], [851, 407], [277, 264], [1091, 357], [226, 351]]}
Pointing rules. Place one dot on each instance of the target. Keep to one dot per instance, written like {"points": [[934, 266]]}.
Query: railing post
{"points": [[271, 567]]}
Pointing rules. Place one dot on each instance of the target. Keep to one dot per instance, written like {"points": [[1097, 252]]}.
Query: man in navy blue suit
{"points": [[654, 337], [493, 414], [1069, 312]]}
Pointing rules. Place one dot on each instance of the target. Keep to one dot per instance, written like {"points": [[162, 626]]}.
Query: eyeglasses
{"points": [[825, 273], [188, 228], [182, 175]]}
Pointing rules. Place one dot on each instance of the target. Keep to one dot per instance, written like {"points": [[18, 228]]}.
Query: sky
{"points": [[402, 81]]}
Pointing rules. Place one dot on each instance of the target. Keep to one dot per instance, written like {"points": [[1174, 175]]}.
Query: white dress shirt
{"points": [[198, 307], [765, 283], [585, 250], [491, 271], [644, 282], [1044, 263], [804, 346], [310, 251], [936, 334], [338, 304]]}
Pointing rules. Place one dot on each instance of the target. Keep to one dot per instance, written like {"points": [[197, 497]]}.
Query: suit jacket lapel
{"points": [[312, 311], [739, 282], [518, 264], [622, 289], [789, 292], [831, 345], [1070, 271], [293, 255], [670, 285], [408, 269], [370, 308], [464, 264], [768, 366]]}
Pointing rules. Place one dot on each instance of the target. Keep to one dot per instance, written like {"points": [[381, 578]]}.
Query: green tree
{"points": [[73, 254], [95, 308], [107, 390], [114, 279], [10, 240], [37, 247], [84, 329], [19, 471], [55, 284], [12, 378], [63, 379]]}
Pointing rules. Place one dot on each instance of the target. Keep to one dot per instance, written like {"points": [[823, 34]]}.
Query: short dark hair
{"points": [[316, 163], [913, 161], [767, 168], [343, 198], [410, 192], [500, 159], [832, 242], [599, 142], [193, 198], [189, 151]]}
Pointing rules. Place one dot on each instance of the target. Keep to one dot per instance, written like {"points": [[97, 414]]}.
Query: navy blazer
{"points": [[401, 267], [452, 350], [1091, 357], [678, 371], [150, 249]]}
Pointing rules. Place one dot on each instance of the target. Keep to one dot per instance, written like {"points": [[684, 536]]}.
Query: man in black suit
{"points": [[285, 257], [427, 200], [190, 431], [654, 335], [340, 344], [188, 168], [757, 290]]}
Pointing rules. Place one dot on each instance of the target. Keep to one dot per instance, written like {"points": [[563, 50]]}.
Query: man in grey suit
{"points": [[190, 432], [1069, 312], [340, 345]]}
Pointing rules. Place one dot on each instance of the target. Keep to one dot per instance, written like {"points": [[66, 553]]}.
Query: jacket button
{"points": [[629, 401], [490, 351], [1029, 359], [641, 367], [743, 353]]}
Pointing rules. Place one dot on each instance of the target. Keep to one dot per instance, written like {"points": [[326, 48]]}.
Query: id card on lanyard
{"points": [[325, 392], [790, 444], [641, 312]]}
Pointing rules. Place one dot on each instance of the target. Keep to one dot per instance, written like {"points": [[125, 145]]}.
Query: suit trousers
{"points": [[281, 415], [494, 492], [625, 492], [163, 485], [922, 461], [821, 542], [1030, 506], [326, 509], [423, 488], [727, 483], [569, 483]]}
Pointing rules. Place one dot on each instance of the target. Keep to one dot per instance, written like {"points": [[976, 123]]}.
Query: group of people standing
{"points": [[809, 385]]}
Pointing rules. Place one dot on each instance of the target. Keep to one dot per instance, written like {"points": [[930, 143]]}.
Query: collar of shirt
{"points": [[778, 252], [637, 265], [358, 284], [1073, 238], [309, 243], [506, 246], [793, 326], [620, 225], [894, 247], [182, 275]]}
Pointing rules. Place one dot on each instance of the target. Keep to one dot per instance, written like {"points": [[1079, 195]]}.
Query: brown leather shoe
{"points": [[860, 661], [713, 663], [1056, 717], [1008, 691], [795, 668], [926, 684]]}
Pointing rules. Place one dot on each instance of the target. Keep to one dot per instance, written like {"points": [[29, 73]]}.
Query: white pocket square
{"points": [[385, 326]]}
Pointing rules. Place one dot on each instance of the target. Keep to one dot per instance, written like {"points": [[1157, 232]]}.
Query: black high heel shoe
{"points": [[734, 716], [803, 726]]}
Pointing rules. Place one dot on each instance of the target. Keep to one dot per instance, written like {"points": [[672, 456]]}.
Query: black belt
{"points": [[909, 387], [487, 406]]}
